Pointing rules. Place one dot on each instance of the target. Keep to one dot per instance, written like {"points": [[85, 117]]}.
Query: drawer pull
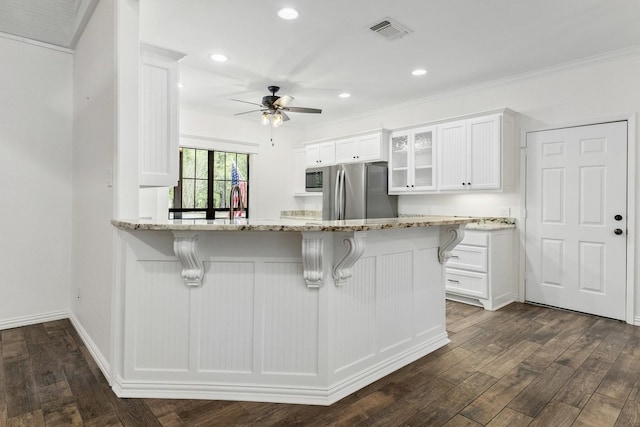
{"points": [[453, 281], [454, 256]]}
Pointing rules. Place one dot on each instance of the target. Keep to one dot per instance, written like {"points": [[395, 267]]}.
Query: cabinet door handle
{"points": [[453, 281], [454, 256], [468, 183], [464, 183]]}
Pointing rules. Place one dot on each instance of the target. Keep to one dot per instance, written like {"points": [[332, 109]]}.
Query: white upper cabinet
{"points": [[470, 154], [411, 166], [364, 148], [159, 117], [462, 155], [321, 154]]}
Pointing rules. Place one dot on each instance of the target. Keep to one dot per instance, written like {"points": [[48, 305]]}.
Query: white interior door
{"points": [[576, 223]]}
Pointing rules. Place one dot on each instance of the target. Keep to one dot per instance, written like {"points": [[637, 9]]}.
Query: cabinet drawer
{"points": [[468, 258], [467, 283], [475, 238]]}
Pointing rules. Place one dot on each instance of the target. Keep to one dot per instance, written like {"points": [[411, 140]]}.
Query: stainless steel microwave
{"points": [[313, 180]]}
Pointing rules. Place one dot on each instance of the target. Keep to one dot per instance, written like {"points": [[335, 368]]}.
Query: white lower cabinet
{"points": [[480, 270]]}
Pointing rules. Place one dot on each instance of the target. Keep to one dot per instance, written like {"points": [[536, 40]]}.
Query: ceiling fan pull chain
{"points": [[272, 144]]}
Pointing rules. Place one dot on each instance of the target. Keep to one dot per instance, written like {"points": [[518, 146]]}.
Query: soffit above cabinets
{"points": [[55, 22]]}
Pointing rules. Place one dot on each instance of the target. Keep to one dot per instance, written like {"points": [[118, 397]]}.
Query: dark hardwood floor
{"points": [[522, 365]]}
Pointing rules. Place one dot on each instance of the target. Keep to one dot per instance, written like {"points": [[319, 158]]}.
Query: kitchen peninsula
{"points": [[292, 311]]}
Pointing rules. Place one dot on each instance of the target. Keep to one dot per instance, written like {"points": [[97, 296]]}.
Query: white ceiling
{"points": [[56, 22], [329, 49]]}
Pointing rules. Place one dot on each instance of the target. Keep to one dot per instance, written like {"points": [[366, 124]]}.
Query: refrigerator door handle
{"points": [[343, 195], [336, 192]]}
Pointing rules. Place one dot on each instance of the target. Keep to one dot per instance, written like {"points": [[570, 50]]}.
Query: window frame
{"points": [[210, 210]]}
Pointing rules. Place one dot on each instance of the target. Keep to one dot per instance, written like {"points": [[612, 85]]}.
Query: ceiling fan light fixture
{"points": [[277, 119], [344, 95], [419, 72], [218, 57], [265, 120], [288, 13]]}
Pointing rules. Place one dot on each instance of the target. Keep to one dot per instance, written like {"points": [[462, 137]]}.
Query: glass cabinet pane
{"points": [[399, 151], [423, 148], [424, 177], [399, 161]]}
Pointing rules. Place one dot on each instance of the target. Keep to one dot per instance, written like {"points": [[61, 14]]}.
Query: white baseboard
{"points": [[100, 360], [636, 321], [17, 322], [274, 393]]}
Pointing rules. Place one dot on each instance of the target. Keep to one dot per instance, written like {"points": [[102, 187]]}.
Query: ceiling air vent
{"points": [[390, 29]]}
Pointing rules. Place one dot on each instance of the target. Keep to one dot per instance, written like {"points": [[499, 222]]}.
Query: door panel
{"points": [[576, 184]]}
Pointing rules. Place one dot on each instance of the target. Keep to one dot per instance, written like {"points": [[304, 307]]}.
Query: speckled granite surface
{"points": [[480, 223], [291, 224]]}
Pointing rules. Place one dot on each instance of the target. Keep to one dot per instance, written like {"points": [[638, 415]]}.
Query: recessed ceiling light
{"points": [[219, 57], [344, 95], [288, 13], [419, 72]]}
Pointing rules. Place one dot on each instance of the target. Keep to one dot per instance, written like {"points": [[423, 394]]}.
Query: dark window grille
{"points": [[205, 183]]}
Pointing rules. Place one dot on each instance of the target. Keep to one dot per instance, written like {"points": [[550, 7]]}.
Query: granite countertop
{"points": [[480, 223], [284, 224]]}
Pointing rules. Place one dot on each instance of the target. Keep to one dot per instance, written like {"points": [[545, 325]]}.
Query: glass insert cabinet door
{"points": [[399, 162], [423, 159], [412, 160]]}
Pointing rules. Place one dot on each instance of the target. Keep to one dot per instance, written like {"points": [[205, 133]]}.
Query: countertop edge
{"points": [[338, 226]]}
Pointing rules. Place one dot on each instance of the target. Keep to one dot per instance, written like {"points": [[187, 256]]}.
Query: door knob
{"points": [[618, 231], [618, 217]]}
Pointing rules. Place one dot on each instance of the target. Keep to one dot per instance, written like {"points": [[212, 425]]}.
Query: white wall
{"points": [[94, 133], [271, 186], [35, 174]]}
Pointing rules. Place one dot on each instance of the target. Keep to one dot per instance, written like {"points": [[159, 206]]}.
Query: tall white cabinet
{"points": [[159, 117]]}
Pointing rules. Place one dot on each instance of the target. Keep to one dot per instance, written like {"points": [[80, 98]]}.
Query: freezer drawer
{"points": [[469, 258], [467, 283]]}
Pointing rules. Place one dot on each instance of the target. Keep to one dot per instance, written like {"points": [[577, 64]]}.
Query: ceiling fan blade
{"points": [[247, 112], [303, 110], [283, 101], [247, 102], [284, 116]]}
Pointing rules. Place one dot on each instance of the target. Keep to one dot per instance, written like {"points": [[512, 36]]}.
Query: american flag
{"points": [[236, 178]]}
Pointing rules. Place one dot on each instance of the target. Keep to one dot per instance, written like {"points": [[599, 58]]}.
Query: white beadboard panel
{"points": [[226, 323], [155, 81], [354, 316], [592, 195], [394, 297], [484, 141], [161, 317], [290, 319], [452, 151], [425, 264]]}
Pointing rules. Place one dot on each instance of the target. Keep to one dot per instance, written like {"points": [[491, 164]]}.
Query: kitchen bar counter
{"points": [[293, 311], [286, 224]]}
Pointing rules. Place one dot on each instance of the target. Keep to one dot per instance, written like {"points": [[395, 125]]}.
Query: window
{"points": [[205, 182]]}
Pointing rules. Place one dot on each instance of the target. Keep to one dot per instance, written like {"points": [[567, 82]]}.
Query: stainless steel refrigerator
{"points": [[357, 191]]}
